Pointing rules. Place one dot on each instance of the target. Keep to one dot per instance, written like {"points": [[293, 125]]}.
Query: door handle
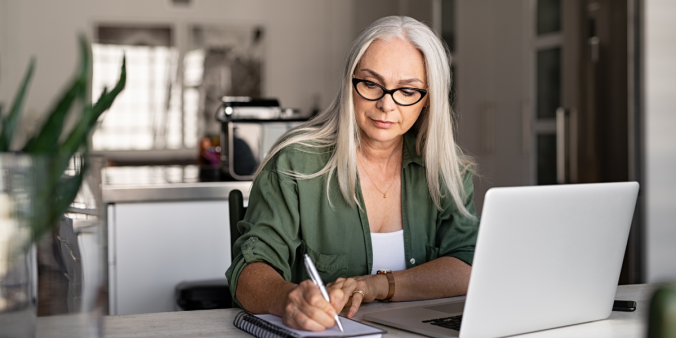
{"points": [[525, 127], [593, 40], [561, 149], [487, 127], [594, 43]]}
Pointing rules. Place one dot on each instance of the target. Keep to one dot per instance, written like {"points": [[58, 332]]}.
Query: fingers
{"points": [[315, 306], [337, 297], [357, 298], [307, 309], [350, 299], [298, 320], [335, 284]]}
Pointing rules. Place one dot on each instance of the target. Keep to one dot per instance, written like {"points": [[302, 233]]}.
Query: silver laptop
{"points": [[546, 256]]}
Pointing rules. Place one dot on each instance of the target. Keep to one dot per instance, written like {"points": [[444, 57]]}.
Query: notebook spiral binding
{"points": [[260, 328]]}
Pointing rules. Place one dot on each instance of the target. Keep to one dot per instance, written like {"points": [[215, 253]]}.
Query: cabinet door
{"points": [[155, 246], [493, 100]]}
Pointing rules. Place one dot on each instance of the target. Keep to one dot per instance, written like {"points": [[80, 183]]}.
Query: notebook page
{"points": [[352, 328]]}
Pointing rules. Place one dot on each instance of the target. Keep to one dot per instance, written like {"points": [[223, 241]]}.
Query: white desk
{"points": [[218, 323]]}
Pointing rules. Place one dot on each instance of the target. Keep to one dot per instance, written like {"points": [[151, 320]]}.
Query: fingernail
{"points": [[332, 312]]}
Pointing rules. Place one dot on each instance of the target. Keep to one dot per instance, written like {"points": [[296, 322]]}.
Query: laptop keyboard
{"points": [[447, 322]]}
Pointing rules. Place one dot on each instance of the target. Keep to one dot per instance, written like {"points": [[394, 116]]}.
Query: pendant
{"points": [[384, 195]]}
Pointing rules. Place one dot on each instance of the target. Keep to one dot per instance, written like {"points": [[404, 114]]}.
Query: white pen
{"points": [[314, 275]]}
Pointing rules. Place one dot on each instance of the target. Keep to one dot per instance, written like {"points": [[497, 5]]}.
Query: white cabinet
{"points": [[155, 246]]}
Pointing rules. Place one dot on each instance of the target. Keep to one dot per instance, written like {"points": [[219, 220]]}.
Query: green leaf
{"points": [[46, 140], [103, 94], [68, 189], [78, 135], [76, 139], [85, 67], [107, 100], [9, 121], [55, 201]]}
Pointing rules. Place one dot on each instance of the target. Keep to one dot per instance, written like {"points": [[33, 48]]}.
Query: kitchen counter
{"points": [[164, 183]]}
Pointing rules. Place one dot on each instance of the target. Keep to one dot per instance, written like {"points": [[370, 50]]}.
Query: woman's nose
{"points": [[386, 103]]}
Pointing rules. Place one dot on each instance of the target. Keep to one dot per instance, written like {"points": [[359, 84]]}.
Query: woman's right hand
{"points": [[306, 308]]}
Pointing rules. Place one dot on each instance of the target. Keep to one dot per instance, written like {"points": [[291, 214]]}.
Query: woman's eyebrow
{"points": [[380, 78]]}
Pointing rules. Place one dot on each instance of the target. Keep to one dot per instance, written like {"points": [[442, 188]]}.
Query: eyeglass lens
{"points": [[402, 96]]}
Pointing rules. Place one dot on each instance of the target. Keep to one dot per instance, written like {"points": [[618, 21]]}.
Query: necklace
{"points": [[374, 183]]}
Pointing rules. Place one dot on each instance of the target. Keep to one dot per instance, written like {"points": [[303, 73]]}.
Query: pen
{"points": [[314, 275]]}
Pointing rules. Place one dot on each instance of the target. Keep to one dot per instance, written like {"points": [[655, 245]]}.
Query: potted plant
{"points": [[39, 182]]}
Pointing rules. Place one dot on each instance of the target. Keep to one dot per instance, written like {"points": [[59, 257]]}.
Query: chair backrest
{"points": [[237, 210]]}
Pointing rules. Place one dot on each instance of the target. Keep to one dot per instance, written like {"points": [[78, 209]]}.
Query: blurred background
{"points": [[544, 91]]}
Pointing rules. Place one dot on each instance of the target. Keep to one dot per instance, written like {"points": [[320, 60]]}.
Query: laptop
{"points": [[546, 256]]}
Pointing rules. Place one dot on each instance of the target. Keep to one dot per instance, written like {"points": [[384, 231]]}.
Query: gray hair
{"points": [[336, 128]]}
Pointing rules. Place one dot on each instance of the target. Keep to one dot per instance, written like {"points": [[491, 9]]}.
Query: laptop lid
{"points": [[547, 256]]}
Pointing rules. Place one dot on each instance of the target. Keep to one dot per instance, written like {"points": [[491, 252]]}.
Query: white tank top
{"points": [[388, 251]]}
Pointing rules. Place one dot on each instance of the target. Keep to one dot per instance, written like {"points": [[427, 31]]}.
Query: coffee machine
{"points": [[249, 129]]}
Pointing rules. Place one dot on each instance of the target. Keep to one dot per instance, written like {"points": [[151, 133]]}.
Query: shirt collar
{"points": [[410, 154]]}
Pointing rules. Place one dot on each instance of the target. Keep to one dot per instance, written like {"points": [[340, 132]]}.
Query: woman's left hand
{"points": [[369, 285]]}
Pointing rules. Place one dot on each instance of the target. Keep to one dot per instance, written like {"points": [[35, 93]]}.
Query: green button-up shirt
{"points": [[289, 217]]}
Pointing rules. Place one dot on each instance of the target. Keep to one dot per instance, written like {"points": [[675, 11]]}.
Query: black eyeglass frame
{"points": [[356, 81]]}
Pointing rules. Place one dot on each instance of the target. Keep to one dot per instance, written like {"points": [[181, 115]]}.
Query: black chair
{"points": [[213, 293], [237, 211]]}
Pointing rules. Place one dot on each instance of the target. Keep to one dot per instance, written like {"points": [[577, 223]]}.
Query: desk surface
{"points": [[218, 323]]}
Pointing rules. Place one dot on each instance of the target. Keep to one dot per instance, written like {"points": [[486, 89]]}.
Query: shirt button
{"points": [[412, 261]]}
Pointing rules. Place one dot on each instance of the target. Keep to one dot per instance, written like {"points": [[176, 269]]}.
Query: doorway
{"points": [[543, 96]]}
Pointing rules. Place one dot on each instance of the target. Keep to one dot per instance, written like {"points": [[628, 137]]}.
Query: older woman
{"points": [[374, 189]]}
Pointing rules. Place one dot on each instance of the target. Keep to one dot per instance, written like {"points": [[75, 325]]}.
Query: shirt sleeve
{"points": [[268, 229], [457, 233]]}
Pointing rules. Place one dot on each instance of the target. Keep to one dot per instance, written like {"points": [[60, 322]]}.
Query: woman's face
{"points": [[391, 64]]}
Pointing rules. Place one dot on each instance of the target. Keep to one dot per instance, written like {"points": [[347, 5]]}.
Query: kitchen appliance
{"points": [[249, 128]]}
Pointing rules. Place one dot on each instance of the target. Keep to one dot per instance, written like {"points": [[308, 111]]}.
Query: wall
{"points": [[659, 91], [3, 54], [365, 12], [306, 41]]}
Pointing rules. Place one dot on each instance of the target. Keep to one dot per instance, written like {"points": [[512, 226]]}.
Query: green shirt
{"points": [[289, 217]]}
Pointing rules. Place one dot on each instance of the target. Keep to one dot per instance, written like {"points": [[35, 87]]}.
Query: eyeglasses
{"points": [[372, 91]]}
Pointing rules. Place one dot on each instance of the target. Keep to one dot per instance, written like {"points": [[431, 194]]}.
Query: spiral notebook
{"points": [[271, 326]]}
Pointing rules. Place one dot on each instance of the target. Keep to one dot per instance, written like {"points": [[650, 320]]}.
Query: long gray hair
{"points": [[336, 127]]}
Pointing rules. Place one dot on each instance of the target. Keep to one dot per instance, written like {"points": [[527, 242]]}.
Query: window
{"points": [[147, 114], [172, 90]]}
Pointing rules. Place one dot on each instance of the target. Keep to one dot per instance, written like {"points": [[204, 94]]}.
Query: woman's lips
{"points": [[383, 124]]}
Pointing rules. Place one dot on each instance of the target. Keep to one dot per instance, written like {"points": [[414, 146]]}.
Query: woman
{"points": [[375, 182]]}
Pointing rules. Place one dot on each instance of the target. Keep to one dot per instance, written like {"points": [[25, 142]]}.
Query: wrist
{"points": [[382, 286], [389, 276]]}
